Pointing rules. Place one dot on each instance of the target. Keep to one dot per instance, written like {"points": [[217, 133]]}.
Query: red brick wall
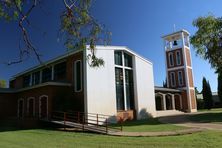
{"points": [[174, 58], [176, 78]]}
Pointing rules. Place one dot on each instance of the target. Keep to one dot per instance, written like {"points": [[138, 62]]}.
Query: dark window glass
{"points": [[36, 78], [26, 80], [119, 89], [171, 59], [60, 72], [178, 58], [78, 76], [180, 78], [118, 58], [128, 60], [46, 74], [172, 74], [129, 89]]}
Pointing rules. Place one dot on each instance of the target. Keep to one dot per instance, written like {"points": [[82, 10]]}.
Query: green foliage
{"points": [[80, 28], [207, 41], [200, 104], [165, 83], [2, 84], [219, 87], [207, 94]]}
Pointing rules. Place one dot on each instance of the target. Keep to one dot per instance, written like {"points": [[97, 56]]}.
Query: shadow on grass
{"points": [[206, 117]]}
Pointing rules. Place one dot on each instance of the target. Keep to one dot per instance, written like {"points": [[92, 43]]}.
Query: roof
{"points": [[10, 90], [7, 90], [183, 30], [98, 47], [163, 89]]}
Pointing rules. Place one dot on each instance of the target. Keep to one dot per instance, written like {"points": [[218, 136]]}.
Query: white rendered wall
{"points": [[144, 89], [100, 96]]}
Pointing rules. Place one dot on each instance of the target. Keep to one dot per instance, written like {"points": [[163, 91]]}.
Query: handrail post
{"points": [[64, 120], [106, 126], [97, 119]]}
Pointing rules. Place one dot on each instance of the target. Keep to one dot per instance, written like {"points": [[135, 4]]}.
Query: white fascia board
{"points": [[178, 32], [125, 48]]}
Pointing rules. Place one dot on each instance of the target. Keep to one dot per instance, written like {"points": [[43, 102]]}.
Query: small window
{"points": [[78, 76], [26, 81], [36, 78], [46, 74], [171, 59], [118, 58], [60, 72], [178, 58], [128, 60], [180, 78], [172, 79]]}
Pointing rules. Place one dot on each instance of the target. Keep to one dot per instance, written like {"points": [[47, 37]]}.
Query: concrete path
{"points": [[157, 134], [182, 120]]}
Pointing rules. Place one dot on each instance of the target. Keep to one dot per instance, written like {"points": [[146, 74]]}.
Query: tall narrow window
{"points": [[128, 60], [78, 76], [180, 78], [119, 89], [118, 58], [129, 89], [171, 59], [172, 79], [178, 57]]}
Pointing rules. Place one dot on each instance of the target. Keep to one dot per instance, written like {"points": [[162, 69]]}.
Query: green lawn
{"points": [[150, 125], [51, 139], [213, 115]]}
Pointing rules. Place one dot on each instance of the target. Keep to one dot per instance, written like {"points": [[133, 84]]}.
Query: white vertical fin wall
{"points": [[101, 92], [145, 95]]}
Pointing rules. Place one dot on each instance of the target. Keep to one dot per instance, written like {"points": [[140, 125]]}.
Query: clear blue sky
{"points": [[138, 24]]}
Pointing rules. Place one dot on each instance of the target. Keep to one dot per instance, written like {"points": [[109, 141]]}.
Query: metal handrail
{"points": [[84, 118]]}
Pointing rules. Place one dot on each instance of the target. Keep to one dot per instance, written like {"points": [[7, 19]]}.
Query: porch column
{"points": [[164, 101], [173, 102]]}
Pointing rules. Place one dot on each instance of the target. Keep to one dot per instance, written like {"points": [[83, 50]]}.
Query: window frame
{"points": [[169, 57], [178, 58], [180, 74], [172, 76]]}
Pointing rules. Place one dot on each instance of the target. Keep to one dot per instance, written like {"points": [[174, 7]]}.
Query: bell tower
{"points": [[179, 67]]}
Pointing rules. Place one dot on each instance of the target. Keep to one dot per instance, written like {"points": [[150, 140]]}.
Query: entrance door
{"points": [[43, 107], [20, 108]]}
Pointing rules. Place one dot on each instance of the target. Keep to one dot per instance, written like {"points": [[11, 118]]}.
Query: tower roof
{"points": [[169, 36]]}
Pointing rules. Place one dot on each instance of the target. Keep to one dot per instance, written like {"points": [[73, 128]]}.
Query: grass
{"points": [[150, 125], [39, 138], [207, 116]]}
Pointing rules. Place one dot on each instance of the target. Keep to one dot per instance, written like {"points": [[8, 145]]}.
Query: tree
{"points": [[78, 27], [207, 41], [207, 94], [2, 84], [219, 87]]}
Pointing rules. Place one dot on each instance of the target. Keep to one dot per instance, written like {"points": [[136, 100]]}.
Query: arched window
{"points": [[171, 63], [31, 107], [20, 109], [43, 107], [178, 58], [78, 76]]}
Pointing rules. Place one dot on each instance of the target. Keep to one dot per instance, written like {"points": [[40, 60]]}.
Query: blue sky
{"points": [[138, 24]]}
